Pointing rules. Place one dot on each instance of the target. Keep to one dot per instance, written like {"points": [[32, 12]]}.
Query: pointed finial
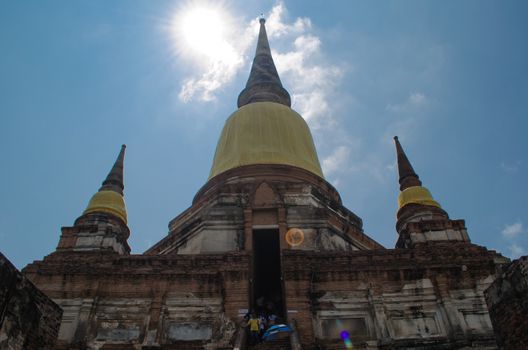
{"points": [[109, 199], [114, 180], [264, 84], [408, 177]]}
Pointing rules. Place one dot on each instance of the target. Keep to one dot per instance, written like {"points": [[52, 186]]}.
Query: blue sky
{"points": [[80, 78]]}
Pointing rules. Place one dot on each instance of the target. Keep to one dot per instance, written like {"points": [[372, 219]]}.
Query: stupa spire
{"points": [[408, 176], [109, 198], [421, 219], [103, 224], [411, 189], [264, 84], [114, 180]]}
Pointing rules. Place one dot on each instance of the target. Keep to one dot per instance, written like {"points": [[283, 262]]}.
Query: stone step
{"points": [[279, 344]]}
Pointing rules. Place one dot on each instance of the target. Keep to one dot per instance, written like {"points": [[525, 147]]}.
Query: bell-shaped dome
{"points": [[265, 133], [416, 195], [108, 202]]}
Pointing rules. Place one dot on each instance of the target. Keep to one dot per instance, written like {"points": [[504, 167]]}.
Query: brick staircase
{"points": [[279, 344]]}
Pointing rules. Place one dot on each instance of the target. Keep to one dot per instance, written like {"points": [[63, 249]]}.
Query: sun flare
{"points": [[209, 40], [201, 31], [202, 28]]}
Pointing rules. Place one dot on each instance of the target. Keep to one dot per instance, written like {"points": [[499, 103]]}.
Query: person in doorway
{"points": [[272, 319], [262, 325], [254, 328]]}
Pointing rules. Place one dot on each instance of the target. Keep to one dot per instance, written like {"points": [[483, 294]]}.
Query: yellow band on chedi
{"points": [[265, 133], [108, 202], [416, 195]]}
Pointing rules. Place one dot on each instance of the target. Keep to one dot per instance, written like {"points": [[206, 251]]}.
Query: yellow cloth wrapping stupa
{"points": [[416, 195], [265, 133], [108, 202]]}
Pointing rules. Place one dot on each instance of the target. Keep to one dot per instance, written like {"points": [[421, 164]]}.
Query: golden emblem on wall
{"points": [[295, 237]]}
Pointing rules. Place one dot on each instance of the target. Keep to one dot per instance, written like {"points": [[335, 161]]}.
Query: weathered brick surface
{"points": [[439, 280], [124, 302], [28, 318], [179, 295], [507, 299], [265, 195]]}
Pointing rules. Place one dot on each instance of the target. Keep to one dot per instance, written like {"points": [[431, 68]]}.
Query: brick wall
{"points": [[28, 318], [428, 296], [162, 302], [507, 300]]}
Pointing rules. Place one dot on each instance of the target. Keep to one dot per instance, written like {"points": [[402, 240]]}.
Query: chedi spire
{"points": [[408, 177], [264, 84], [109, 199], [421, 219], [114, 180], [412, 191], [103, 224]]}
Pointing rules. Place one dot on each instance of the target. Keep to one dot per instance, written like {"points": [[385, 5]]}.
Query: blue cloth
{"points": [[272, 332]]}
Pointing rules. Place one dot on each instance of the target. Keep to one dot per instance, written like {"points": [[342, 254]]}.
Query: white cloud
{"points": [[417, 98], [348, 158], [206, 85], [213, 55], [336, 160], [307, 74], [212, 74], [516, 250], [511, 167], [304, 71], [513, 230], [392, 167], [313, 106], [406, 116], [414, 100], [276, 27]]}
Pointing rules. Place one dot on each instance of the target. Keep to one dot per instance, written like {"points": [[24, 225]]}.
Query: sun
{"points": [[202, 28], [201, 31]]}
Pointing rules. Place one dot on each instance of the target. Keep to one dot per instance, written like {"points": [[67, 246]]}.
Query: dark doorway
{"points": [[267, 283]]}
